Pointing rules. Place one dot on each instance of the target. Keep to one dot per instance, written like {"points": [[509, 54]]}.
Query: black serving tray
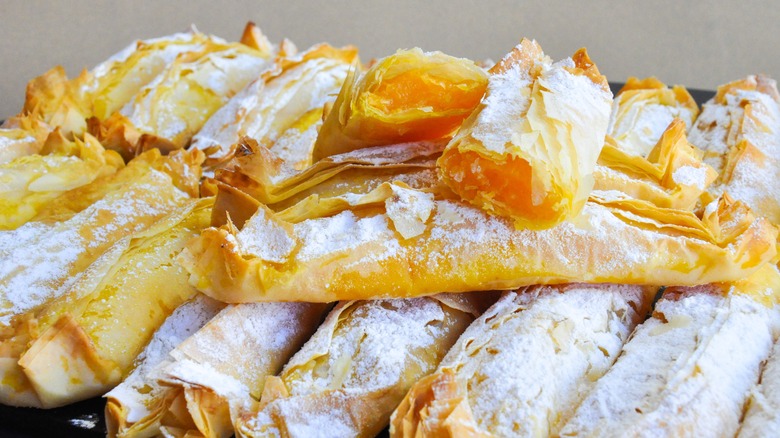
{"points": [[85, 419]]}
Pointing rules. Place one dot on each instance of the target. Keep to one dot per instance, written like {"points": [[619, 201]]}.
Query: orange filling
{"points": [[446, 105], [503, 188]]}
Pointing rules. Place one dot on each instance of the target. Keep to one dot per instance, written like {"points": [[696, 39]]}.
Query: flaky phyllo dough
{"points": [[414, 242], [66, 331], [196, 384], [358, 365], [171, 108], [529, 149], [643, 109], [673, 175], [282, 109], [57, 101], [739, 130], [30, 182], [408, 96], [257, 177], [523, 366]]}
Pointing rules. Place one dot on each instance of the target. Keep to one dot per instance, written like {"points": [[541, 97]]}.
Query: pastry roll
{"points": [[110, 85], [643, 109], [183, 168], [762, 416], [529, 149], [137, 405], [523, 366], [408, 96], [282, 109], [257, 176], [739, 130], [67, 248], [118, 79], [28, 183], [221, 370], [673, 175], [57, 101], [21, 136], [168, 111], [687, 370], [83, 342], [352, 373], [411, 244]]}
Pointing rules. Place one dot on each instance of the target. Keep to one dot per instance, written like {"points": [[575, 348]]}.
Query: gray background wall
{"points": [[699, 44]]}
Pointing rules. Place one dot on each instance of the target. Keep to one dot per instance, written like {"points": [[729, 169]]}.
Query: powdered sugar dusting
{"points": [[379, 339], [691, 176], [243, 344], [138, 389], [529, 360], [409, 210], [503, 107], [274, 245], [639, 119], [53, 255], [345, 231], [754, 177], [672, 375]]}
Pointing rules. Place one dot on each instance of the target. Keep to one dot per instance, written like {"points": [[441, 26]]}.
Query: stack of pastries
{"points": [[244, 238]]}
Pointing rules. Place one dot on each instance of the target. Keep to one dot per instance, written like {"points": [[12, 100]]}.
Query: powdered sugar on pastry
{"points": [[55, 255], [525, 364], [686, 371], [740, 131], [763, 412], [138, 390]]}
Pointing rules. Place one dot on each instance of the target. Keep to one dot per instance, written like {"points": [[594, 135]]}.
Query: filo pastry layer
{"points": [[523, 366], [408, 96], [220, 371], [762, 416], [67, 247], [739, 130], [32, 181], [169, 110], [136, 407], [643, 109], [688, 370], [411, 244], [282, 109], [349, 377], [528, 150], [84, 342]]}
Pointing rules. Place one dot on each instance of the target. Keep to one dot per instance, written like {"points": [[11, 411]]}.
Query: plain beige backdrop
{"points": [[699, 44]]}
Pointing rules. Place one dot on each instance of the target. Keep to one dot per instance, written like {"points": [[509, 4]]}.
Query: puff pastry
{"points": [[739, 130], [411, 244], [282, 109], [529, 149], [407, 96], [687, 370], [523, 366], [137, 406], [29, 183], [643, 109], [351, 374]]}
